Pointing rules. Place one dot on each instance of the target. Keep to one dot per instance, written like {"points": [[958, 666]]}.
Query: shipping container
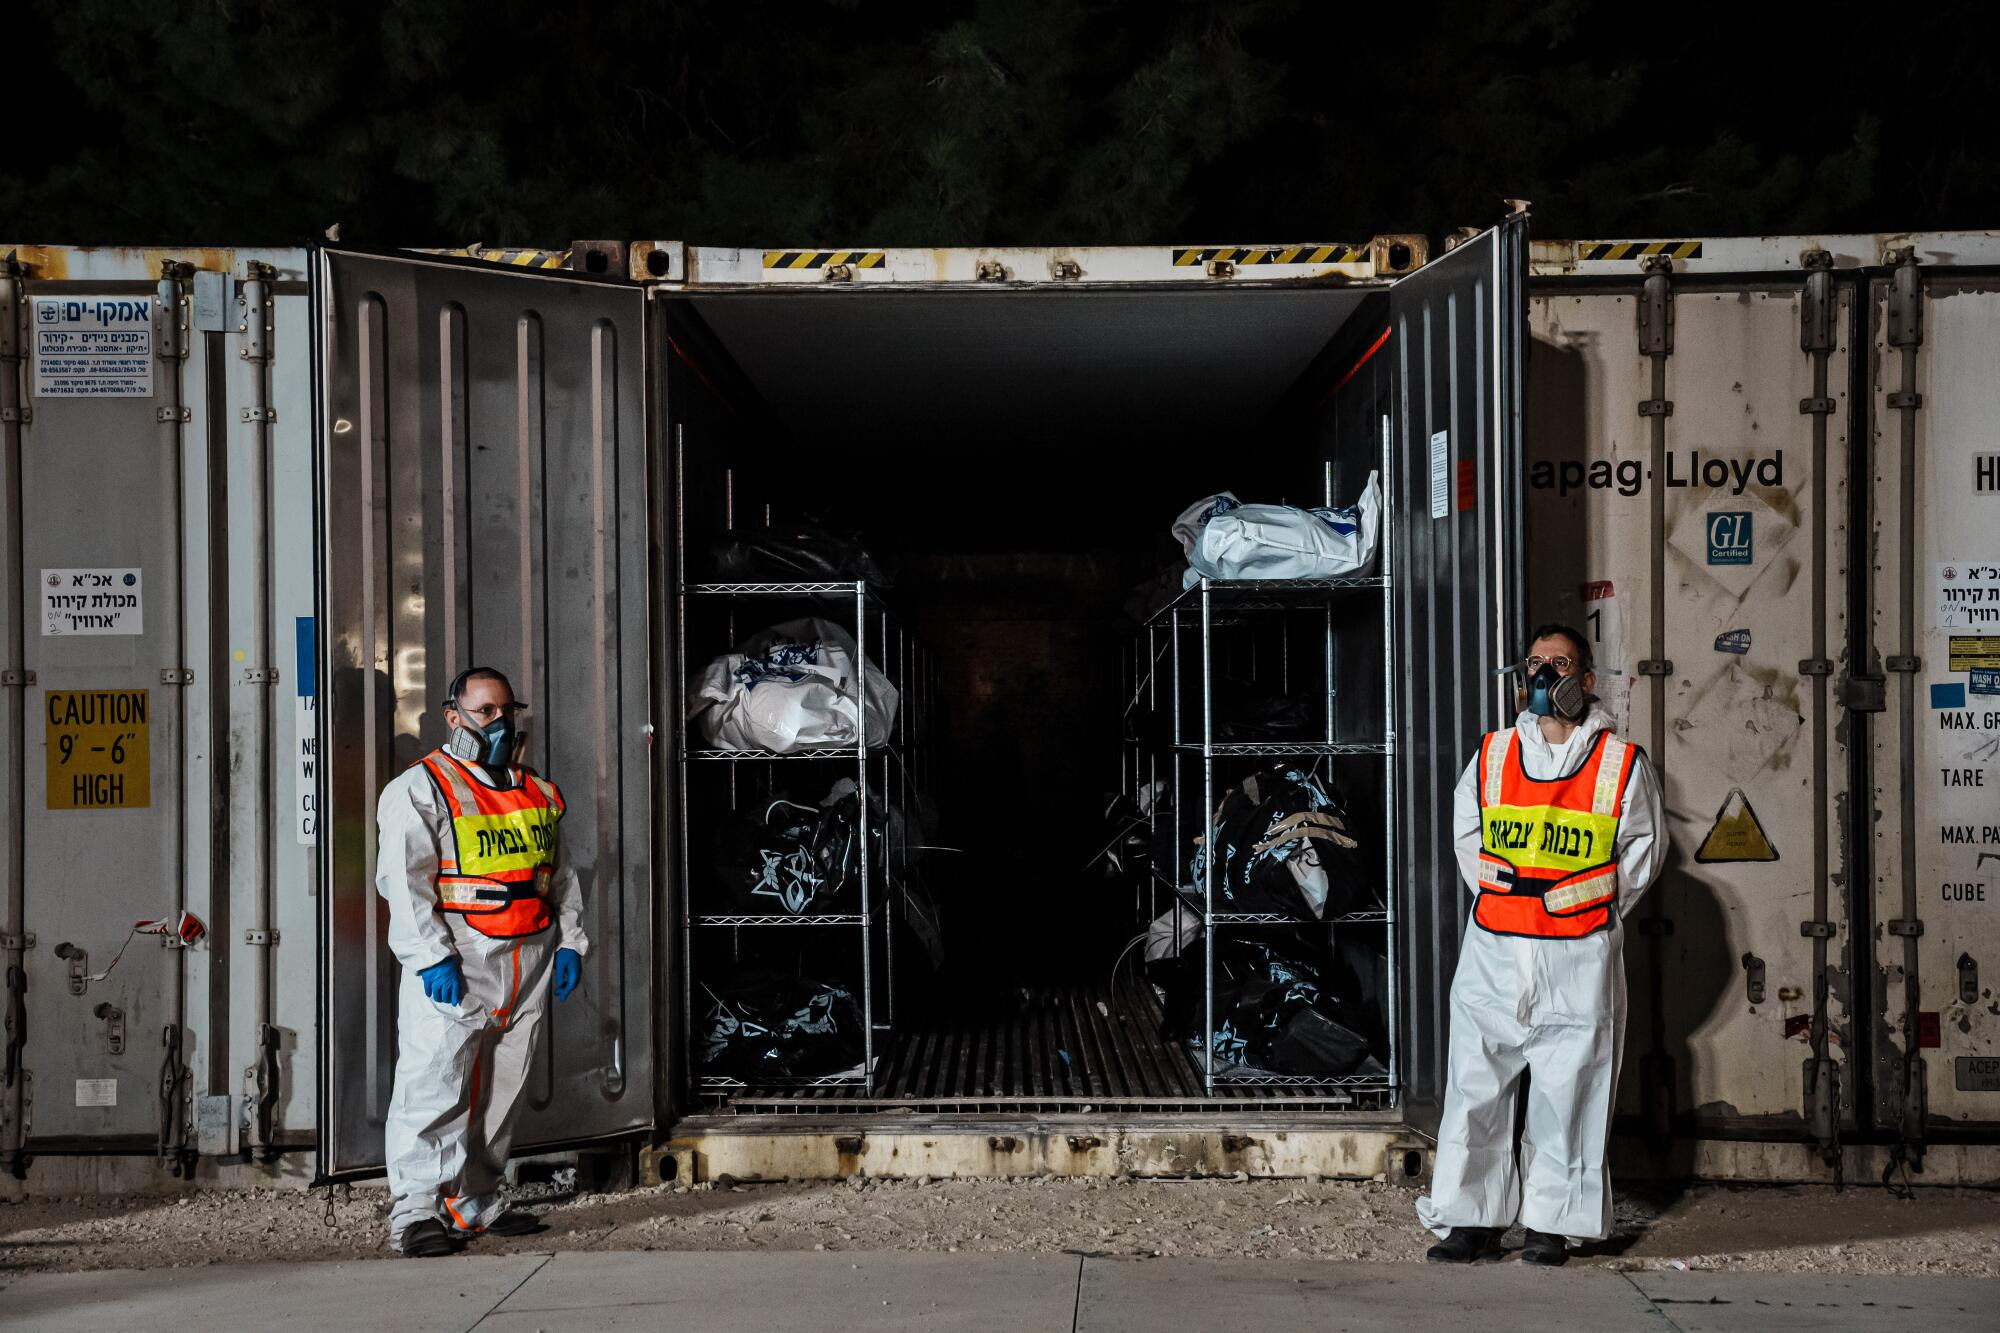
{"points": [[1693, 449]]}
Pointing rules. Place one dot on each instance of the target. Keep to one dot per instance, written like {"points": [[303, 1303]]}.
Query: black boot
{"points": [[427, 1240], [1461, 1246], [1544, 1249]]}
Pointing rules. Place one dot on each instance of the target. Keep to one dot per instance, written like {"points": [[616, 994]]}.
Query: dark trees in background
{"points": [[1022, 121]]}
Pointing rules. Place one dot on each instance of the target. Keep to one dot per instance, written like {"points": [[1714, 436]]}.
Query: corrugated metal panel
{"points": [[484, 500], [1735, 975], [1950, 776], [1455, 338]]}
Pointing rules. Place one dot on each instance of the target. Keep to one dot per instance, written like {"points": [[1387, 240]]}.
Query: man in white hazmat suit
{"points": [[485, 917], [1558, 828]]}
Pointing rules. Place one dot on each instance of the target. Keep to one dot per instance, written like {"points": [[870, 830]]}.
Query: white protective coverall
{"points": [[1555, 1007], [459, 1070]]}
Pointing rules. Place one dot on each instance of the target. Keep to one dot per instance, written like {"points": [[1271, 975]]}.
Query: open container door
{"points": [[1457, 338], [483, 500]]}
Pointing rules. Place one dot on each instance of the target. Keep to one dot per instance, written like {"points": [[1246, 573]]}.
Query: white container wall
{"points": [[155, 533], [1936, 606], [1723, 980]]}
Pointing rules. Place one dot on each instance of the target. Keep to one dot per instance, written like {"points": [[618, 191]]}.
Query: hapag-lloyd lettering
{"points": [[1629, 476]]}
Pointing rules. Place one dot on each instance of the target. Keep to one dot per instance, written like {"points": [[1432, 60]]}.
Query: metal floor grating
{"points": [[1066, 1048]]}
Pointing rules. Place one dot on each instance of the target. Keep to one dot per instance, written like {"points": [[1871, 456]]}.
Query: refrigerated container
{"points": [[1721, 496], [1694, 449]]}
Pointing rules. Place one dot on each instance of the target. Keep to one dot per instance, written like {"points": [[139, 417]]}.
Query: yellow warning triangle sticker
{"points": [[1737, 835]]}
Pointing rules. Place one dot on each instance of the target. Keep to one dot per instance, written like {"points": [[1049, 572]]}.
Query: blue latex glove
{"points": [[443, 982], [569, 971]]}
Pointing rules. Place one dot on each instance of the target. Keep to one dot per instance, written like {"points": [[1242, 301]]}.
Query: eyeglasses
{"points": [[487, 712], [1563, 665]]}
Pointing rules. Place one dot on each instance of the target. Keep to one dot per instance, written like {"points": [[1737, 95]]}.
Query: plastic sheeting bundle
{"points": [[764, 1025], [793, 687], [1284, 846], [1227, 539]]}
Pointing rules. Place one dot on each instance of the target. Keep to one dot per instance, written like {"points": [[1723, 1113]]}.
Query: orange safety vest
{"points": [[503, 851], [1548, 865]]}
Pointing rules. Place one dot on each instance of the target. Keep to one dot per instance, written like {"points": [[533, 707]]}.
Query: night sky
{"points": [[426, 122]]}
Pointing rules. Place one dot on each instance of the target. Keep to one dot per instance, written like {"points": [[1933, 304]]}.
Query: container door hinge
{"points": [[260, 675], [24, 415], [260, 414], [1656, 407], [1968, 979], [262, 938], [1815, 666], [254, 316], [16, 679], [1903, 664], [176, 676], [1817, 930], [15, 1025], [1819, 312], [1656, 307], [17, 943], [17, 1165], [176, 415], [1906, 303], [1823, 1099], [1657, 666], [1916, 1097], [1911, 928], [173, 1098]]}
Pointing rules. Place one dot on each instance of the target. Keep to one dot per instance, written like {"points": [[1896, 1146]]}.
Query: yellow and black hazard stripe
{"points": [[1596, 250], [511, 258], [1245, 255], [824, 258]]}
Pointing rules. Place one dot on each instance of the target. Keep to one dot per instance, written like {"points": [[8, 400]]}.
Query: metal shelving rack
{"points": [[1192, 619], [892, 767]]}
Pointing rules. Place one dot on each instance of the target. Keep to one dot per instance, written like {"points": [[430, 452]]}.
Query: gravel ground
{"points": [[1744, 1228]]}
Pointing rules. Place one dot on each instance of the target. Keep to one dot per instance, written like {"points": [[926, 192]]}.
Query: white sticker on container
{"points": [[1440, 474], [93, 601], [97, 1092], [305, 731], [93, 347], [1968, 595], [305, 752]]}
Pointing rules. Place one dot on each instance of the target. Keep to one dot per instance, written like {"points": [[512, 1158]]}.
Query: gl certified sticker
{"points": [[1729, 538]]}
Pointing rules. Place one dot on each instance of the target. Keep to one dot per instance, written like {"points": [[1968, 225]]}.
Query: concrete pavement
{"points": [[730, 1292]]}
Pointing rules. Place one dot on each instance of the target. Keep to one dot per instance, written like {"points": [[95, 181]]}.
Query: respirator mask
{"points": [[494, 745], [1552, 694]]}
